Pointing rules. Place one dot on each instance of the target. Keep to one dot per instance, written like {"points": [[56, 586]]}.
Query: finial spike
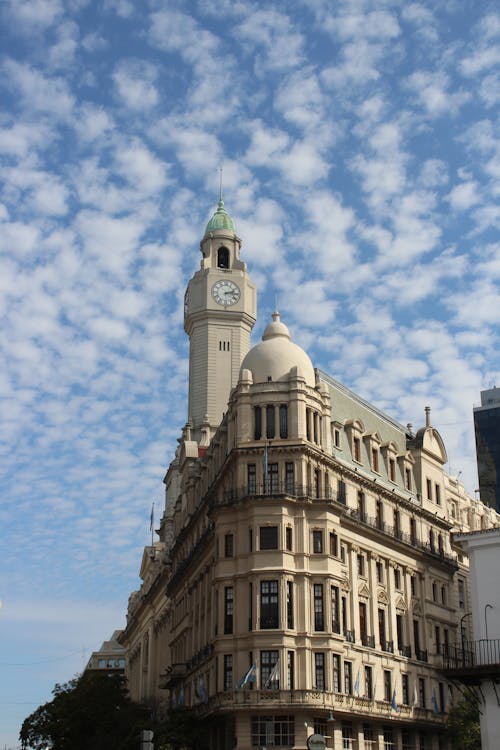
{"points": [[220, 185]]}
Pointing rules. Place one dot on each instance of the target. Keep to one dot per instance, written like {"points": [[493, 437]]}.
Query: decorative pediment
{"points": [[401, 603], [345, 584], [363, 590], [382, 597], [417, 609]]}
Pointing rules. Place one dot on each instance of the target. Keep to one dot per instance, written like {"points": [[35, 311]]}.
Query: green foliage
{"points": [[92, 712], [463, 728], [182, 729]]}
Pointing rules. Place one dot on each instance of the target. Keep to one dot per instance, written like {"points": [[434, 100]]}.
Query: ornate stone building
{"points": [[305, 579]]}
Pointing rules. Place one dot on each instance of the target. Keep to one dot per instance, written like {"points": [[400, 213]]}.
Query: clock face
{"points": [[225, 292]]}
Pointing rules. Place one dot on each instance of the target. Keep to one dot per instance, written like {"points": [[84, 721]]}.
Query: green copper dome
{"points": [[220, 220]]}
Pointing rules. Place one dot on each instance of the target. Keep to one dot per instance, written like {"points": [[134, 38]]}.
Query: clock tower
{"points": [[219, 314]]}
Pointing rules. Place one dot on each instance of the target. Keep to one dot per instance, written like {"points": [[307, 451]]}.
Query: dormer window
{"points": [[223, 258]]}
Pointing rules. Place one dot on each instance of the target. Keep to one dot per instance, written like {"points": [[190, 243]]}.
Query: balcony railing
{"points": [[482, 655], [350, 636], [405, 651], [368, 640], [387, 646], [421, 655]]}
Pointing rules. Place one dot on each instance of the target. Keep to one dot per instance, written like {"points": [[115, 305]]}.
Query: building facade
{"points": [[487, 430], [304, 580]]}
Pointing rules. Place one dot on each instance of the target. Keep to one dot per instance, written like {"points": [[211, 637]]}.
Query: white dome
{"points": [[276, 356]]}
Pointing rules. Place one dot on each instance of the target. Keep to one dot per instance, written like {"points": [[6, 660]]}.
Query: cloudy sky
{"points": [[362, 168]]}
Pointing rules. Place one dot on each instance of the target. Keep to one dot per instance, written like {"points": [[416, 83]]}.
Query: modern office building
{"points": [[304, 581], [487, 429], [110, 658]]}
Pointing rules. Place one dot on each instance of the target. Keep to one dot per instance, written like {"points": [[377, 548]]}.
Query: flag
{"points": [[434, 702], [274, 675], [415, 694], [394, 705], [249, 676], [202, 691], [356, 685]]}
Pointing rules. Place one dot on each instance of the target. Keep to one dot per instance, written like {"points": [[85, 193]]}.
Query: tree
{"points": [[183, 729], [463, 728], [91, 712]]}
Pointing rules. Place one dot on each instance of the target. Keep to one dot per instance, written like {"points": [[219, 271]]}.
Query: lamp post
{"points": [[486, 607], [462, 634]]}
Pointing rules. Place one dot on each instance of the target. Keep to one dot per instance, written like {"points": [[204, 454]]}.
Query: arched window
{"points": [[223, 257]]}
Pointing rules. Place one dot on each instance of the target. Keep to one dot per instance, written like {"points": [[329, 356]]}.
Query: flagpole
{"points": [[152, 523]]}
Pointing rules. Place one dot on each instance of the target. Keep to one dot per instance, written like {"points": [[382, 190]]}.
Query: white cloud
{"points": [[432, 91], [274, 34], [39, 93], [464, 196], [135, 82]]}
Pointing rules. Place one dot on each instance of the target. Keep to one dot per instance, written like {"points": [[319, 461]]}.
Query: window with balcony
{"points": [[289, 538], [319, 670], [269, 611], [268, 536], [269, 670], [334, 544], [290, 670], [387, 685], [422, 699], [405, 689], [341, 492], [228, 671], [348, 677], [272, 479], [336, 675], [290, 477], [252, 479], [368, 682], [361, 505]]}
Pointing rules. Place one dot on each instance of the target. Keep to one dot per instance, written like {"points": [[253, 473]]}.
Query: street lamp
{"points": [[462, 633], [486, 607]]}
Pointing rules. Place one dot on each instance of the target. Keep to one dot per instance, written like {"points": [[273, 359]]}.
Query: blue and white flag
{"points": [[434, 702], [356, 685], [274, 675], [394, 704], [249, 676]]}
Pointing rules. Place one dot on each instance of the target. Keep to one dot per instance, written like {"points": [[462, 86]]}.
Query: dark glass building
{"points": [[487, 429]]}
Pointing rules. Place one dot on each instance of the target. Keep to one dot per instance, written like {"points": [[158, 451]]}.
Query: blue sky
{"points": [[361, 161]]}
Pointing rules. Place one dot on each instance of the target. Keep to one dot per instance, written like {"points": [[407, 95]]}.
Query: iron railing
{"points": [[472, 654]]}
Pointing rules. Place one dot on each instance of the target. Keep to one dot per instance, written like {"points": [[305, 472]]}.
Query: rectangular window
{"points": [[257, 416], [368, 682], [272, 478], [389, 742], [319, 671], [341, 492], [443, 595], [228, 545], [397, 578], [252, 479], [369, 738], [270, 429], [283, 422], [347, 736], [361, 505], [361, 565], [268, 537], [289, 605], [268, 731], [348, 677], [228, 609], [392, 470], [290, 477], [319, 617], [397, 523], [334, 544], [336, 673], [437, 636], [290, 670], [399, 630], [405, 689], [379, 518], [317, 541], [408, 479], [250, 540], [437, 489], [335, 605], [375, 459], [413, 585], [429, 489], [381, 627], [289, 538], [362, 623], [434, 591], [461, 593], [442, 703], [380, 572], [269, 670], [421, 692], [250, 606], [228, 672], [407, 740], [387, 686], [336, 437], [269, 613], [356, 448], [320, 726]]}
